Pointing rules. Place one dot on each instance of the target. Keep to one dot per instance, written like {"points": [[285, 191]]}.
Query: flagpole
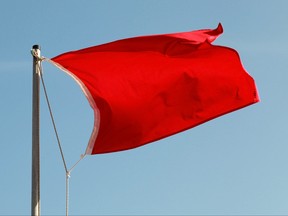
{"points": [[35, 198]]}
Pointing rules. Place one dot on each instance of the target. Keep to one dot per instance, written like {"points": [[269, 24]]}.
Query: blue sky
{"points": [[233, 165]]}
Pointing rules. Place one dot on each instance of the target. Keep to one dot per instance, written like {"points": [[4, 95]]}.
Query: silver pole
{"points": [[35, 211]]}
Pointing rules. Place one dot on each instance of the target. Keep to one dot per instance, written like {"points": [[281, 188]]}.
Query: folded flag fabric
{"points": [[146, 88]]}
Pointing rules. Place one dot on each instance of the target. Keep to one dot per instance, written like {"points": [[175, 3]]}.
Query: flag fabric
{"points": [[146, 88]]}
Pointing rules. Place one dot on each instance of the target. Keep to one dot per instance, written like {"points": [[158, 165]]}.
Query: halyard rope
{"points": [[52, 118], [68, 172]]}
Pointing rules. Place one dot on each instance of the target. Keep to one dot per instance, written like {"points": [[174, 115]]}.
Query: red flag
{"points": [[146, 88]]}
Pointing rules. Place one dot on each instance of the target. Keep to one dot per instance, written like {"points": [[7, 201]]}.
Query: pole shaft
{"points": [[35, 210]]}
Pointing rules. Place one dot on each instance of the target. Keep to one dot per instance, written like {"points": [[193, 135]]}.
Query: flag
{"points": [[146, 88]]}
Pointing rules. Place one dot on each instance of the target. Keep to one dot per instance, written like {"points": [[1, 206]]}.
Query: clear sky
{"points": [[233, 165]]}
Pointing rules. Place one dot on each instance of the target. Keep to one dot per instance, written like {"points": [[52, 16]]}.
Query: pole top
{"points": [[35, 51], [36, 47]]}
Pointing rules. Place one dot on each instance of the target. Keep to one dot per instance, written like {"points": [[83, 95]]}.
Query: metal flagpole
{"points": [[35, 201]]}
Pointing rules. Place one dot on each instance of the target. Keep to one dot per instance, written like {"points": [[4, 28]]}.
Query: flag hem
{"points": [[92, 103]]}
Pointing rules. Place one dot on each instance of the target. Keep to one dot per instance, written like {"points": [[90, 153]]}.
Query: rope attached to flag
{"points": [[67, 171]]}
